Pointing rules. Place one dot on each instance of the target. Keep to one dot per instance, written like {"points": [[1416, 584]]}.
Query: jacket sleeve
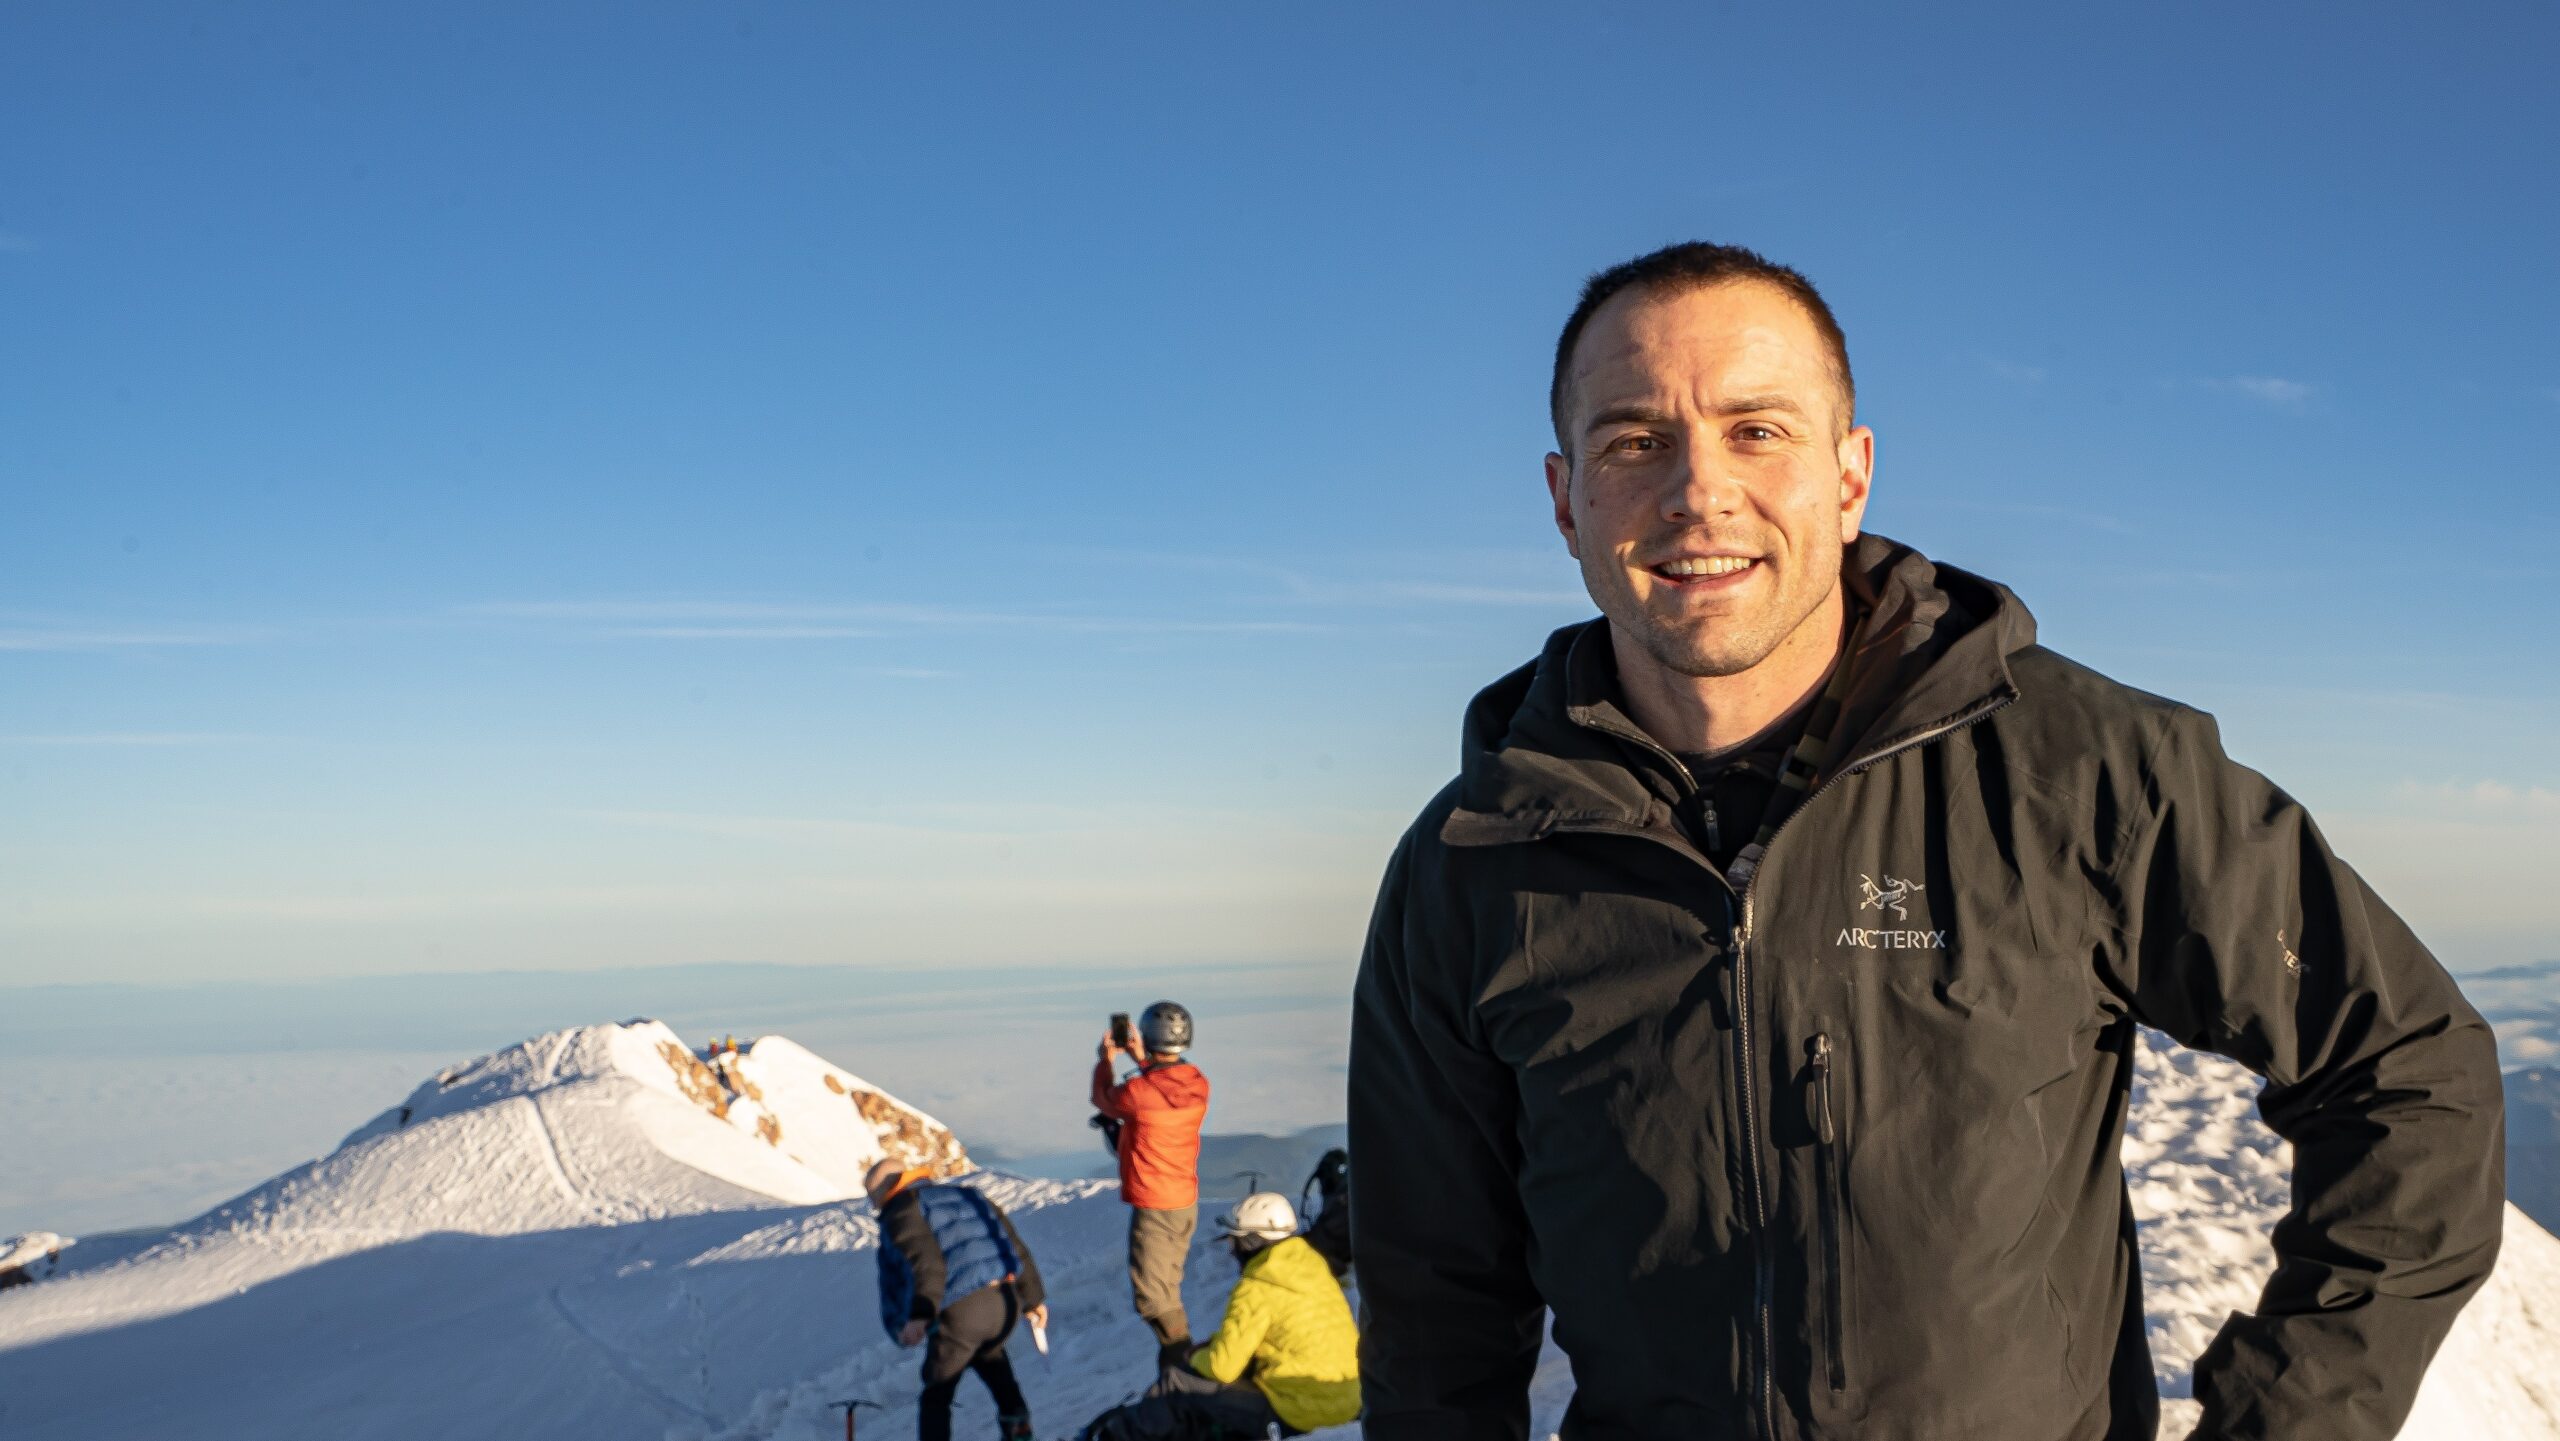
{"points": [[1438, 1235], [2243, 934], [1111, 1100], [903, 1225], [1228, 1353], [897, 1290], [1026, 1274]]}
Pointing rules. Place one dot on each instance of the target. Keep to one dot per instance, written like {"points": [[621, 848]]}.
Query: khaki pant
{"points": [[1159, 1242]]}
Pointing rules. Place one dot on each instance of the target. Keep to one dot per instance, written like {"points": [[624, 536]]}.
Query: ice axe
{"points": [[848, 1408]]}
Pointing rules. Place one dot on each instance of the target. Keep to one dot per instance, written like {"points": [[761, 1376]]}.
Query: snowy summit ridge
{"points": [[804, 1130], [570, 1234], [603, 1232]]}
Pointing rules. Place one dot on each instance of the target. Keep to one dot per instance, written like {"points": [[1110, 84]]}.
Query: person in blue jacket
{"points": [[954, 1277]]}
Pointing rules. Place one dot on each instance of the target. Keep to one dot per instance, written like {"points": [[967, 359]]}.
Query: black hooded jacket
{"points": [[1835, 1154]]}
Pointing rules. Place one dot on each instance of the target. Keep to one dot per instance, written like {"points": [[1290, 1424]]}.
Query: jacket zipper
{"points": [[1835, 1282], [1762, 1279], [1762, 1262]]}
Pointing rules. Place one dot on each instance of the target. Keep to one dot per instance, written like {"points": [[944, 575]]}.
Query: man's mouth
{"points": [[1695, 569]]}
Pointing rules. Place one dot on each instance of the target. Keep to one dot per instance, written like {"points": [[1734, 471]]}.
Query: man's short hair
{"points": [[1688, 265]]}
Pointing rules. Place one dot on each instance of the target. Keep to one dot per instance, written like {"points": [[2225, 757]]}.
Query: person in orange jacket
{"points": [[1153, 1119]]}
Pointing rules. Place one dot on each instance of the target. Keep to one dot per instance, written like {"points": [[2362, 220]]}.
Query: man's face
{"points": [[1712, 484]]}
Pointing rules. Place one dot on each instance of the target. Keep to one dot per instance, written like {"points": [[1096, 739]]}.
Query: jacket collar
{"points": [[908, 1180], [1550, 747], [1286, 1263]]}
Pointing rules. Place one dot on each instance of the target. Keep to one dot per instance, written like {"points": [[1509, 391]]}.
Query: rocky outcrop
{"points": [[30, 1258]]}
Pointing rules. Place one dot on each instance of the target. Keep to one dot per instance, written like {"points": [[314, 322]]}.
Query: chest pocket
{"points": [[1610, 1004], [1945, 958]]}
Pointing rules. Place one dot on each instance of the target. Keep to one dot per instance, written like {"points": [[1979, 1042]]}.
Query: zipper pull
{"points": [[1820, 1049], [1707, 820], [1720, 1000]]}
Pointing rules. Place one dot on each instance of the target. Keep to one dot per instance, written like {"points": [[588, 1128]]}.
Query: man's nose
{"points": [[1699, 488]]}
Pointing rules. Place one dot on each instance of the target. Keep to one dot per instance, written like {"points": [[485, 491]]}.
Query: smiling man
{"points": [[1761, 998]]}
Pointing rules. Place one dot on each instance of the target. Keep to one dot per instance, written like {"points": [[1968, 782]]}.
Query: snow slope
{"points": [[601, 1233], [2210, 1181]]}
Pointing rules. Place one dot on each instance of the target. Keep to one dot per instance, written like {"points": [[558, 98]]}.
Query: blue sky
{"points": [[605, 486]]}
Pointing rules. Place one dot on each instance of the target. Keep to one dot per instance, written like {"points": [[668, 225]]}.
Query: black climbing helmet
{"points": [[1165, 1029]]}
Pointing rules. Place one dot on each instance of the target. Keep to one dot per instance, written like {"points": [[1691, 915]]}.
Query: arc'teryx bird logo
{"points": [[1888, 896]]}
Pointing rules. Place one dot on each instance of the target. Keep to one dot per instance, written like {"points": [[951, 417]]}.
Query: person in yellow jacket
{"points": [[1288, 1351]]}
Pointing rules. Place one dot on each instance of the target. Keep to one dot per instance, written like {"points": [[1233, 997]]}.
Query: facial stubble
{"points": [[1713, 646]]}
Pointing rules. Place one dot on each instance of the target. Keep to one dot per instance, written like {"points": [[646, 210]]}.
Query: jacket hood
{"points": [[1549, 744], [1291, 1265], [906, 1182], [1180, 1084]]}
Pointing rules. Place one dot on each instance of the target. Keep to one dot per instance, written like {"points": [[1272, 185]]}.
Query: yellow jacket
{"points": [[1288, 1328]]}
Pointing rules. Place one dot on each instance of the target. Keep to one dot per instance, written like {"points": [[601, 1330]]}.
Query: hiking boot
{"points": [[1174, 1355], [1013, 1428]]}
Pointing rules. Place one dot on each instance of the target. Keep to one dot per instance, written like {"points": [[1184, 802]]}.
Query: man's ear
{"points": [[1560, 490], [1857, 475]]}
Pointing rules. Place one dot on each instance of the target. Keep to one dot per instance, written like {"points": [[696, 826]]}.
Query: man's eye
{"points": [[1756, 431], [1637, 442]]}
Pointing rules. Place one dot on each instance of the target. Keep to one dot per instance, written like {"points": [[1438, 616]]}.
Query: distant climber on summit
{"points": [[954, 1276], [1153, 1119]]}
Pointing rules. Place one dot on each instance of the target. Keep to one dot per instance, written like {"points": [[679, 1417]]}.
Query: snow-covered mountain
{"points": [[605, 1233], [2209, 1181], [2533, 1142]]}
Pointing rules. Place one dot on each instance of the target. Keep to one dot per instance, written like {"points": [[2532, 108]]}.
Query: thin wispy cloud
{"points": [[1487, 594], [111, 739], [2486, 798], [800, 830], [1308, 589], [2166, 579], [748, 632], [85, 638], [2265, 389], [1299, 586], [2530, 1047], [2406, 700], [2094, 520], [687, 612], [2012, 371], [753, 620], [988, 820]]}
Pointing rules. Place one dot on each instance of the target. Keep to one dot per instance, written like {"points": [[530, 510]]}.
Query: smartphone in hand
{"points": [[1123, 1034]]}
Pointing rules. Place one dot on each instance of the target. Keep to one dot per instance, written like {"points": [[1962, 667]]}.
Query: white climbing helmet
{"points": [[1265, 1215]]}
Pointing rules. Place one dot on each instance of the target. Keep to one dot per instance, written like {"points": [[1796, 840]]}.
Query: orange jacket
{"points": [[1159, 1110]]}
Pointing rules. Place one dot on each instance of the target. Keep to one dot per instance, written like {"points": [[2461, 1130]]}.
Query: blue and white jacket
{"points": [[941, 1242]]}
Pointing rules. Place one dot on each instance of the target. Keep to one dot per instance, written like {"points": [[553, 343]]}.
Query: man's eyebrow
{"points": [[1627, 415], [1634, 414], [1745, 404]]}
